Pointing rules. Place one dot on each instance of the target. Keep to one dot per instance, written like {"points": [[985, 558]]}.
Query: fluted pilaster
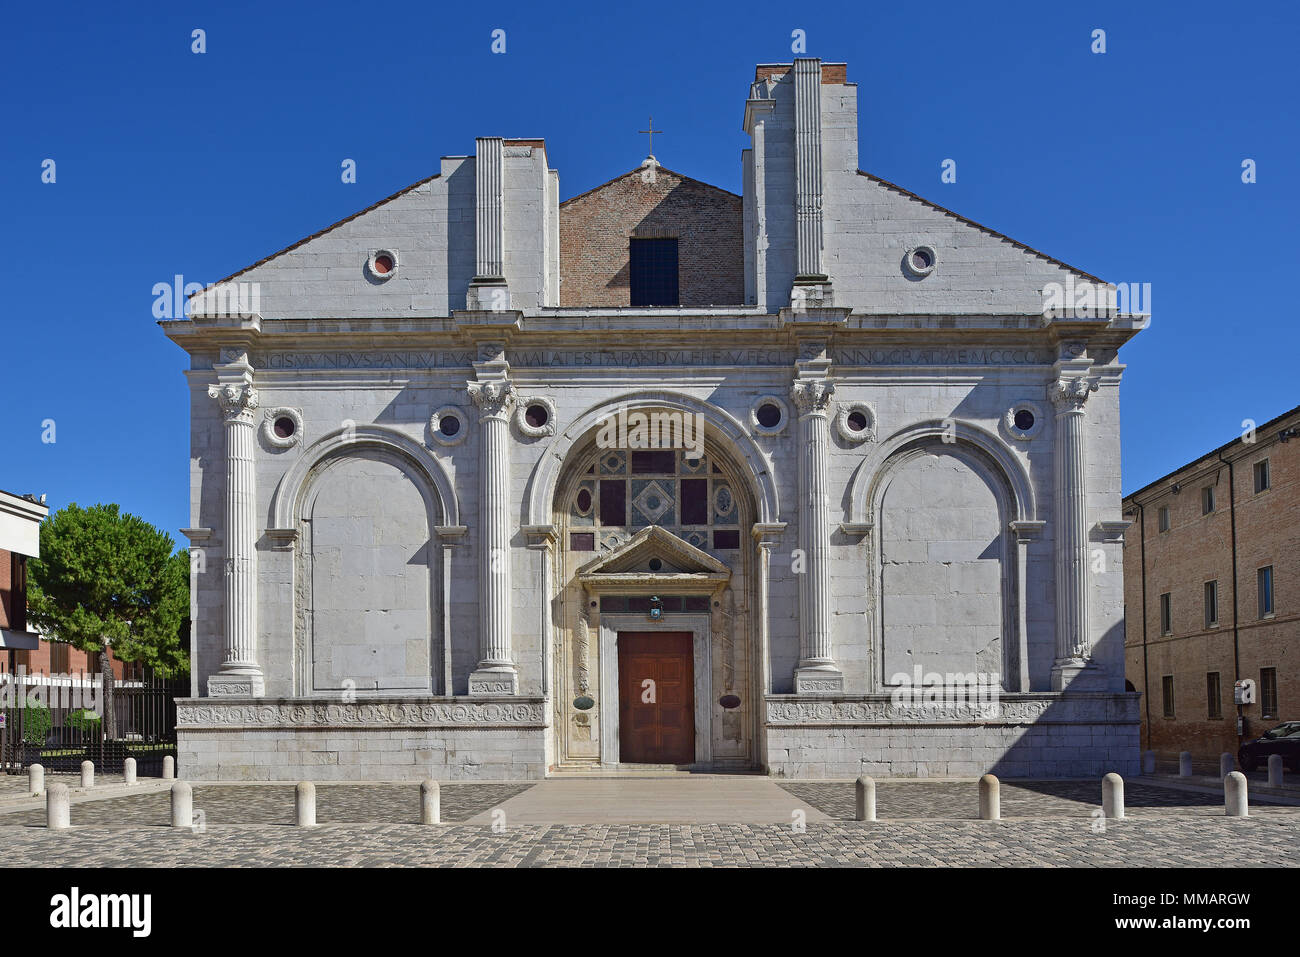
{"points": [[1069, 394], [240, 673], [496, 672], [817, 670]]}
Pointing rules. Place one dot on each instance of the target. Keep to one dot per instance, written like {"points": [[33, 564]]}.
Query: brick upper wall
{"points": [[596, 226]]}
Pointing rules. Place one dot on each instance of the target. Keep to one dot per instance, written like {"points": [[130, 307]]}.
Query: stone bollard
{"points": [[1226, 764], [57, 812], [35, 780], [1275, 770], [305, 804], [1112, 796], [87, 774], [169, 768], [1148, 762], [430, 802], [865, 790], [1185, 764], [1235, 802], [182, 804], [128, 771], [990, 798]]}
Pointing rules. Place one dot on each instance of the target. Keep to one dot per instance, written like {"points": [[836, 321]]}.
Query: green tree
{"points": [[111, 582]]}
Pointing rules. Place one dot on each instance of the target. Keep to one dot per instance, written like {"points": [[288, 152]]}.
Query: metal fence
{"points": [[60, 720]]}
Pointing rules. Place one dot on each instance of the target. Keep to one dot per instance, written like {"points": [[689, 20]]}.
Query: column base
{"points": [[818, 679], [491, 678], [241, 681], [811, 292], [1078, 674], [488, 295]]}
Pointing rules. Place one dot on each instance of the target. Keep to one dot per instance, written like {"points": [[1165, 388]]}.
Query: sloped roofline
{"points": [[980, 226], [322, 232], [682, 176], [662, 169], [1131, 497]]}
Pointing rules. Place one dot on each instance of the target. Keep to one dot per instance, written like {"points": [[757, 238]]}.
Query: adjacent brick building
{"points": [[20, 647], [1211, 565]]}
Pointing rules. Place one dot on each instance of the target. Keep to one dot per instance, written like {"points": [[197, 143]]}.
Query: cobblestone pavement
{"points": [[1159, 842], [14, 786], [273, 804], [1055, 799]]}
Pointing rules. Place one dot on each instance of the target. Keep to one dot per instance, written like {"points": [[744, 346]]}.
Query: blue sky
{"points": [[1125, 164]]}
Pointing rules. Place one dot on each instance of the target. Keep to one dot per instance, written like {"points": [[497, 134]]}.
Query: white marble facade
{"points": [[395, 580]]}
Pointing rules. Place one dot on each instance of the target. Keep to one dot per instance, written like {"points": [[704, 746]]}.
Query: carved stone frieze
{"points": [[1007, 709], [304, 713]]}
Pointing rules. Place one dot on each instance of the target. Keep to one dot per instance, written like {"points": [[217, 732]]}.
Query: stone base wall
{"points": [[1027, 736], [392, 739]]}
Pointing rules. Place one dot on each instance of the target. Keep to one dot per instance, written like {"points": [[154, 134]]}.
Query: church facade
{"points": [[804, 481]]}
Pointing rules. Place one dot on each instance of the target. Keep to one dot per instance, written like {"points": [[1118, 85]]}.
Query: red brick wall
{"points": [[41, 660], [1198, 548], [7, 595], [595, 229]]}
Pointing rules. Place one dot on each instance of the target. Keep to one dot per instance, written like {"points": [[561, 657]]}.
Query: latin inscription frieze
{"points": [[642, 358]]}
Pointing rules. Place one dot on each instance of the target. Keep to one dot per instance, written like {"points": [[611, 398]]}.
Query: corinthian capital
{"points": [[237, 401], [494, 397], [1069, 393], [812, 395]]}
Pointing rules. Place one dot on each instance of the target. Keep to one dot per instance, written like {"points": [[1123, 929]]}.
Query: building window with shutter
{"points": [[1166, 614], [1167, 695], [1163, 518], [1261, 476], [653, 272], [1207, 500], [1211, 604], [1264, 586], [1268, 692], [1212, 695]]}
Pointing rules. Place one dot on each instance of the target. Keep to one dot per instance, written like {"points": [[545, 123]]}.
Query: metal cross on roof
{"points": [[652, 131]]}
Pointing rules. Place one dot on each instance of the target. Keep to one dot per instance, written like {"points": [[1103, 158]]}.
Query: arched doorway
{"points": [[654, 574]]}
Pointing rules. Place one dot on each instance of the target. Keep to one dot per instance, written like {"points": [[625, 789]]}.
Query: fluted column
{"points": [[1069, 393], [240, 673], [496, 672], [817, 670]]}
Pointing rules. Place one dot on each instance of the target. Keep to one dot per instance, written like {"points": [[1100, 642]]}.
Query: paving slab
{"points": [[693, 799]]}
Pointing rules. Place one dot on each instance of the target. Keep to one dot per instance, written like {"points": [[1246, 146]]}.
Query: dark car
{"points": [[1283, 740]]}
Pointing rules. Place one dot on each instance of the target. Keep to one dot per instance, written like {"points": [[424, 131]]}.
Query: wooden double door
{"points": [[656, 697]]}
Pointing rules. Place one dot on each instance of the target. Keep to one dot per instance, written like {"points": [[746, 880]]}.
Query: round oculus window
{"points": [[857, 420], [449, 425], [537, 415], [768, 415], [383, 264], [1024, 420], [284, 427]]}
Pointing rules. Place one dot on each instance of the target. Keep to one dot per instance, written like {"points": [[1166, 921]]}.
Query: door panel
{"points": [[660, 730]]}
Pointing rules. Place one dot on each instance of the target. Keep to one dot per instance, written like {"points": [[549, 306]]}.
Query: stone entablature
{"points": [[479, 712]]}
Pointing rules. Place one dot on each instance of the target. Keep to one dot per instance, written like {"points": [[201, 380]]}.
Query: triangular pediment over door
{"points": [[656, 559]]}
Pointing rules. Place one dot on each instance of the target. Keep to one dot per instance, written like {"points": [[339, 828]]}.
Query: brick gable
{"points": [[596, 226]]}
